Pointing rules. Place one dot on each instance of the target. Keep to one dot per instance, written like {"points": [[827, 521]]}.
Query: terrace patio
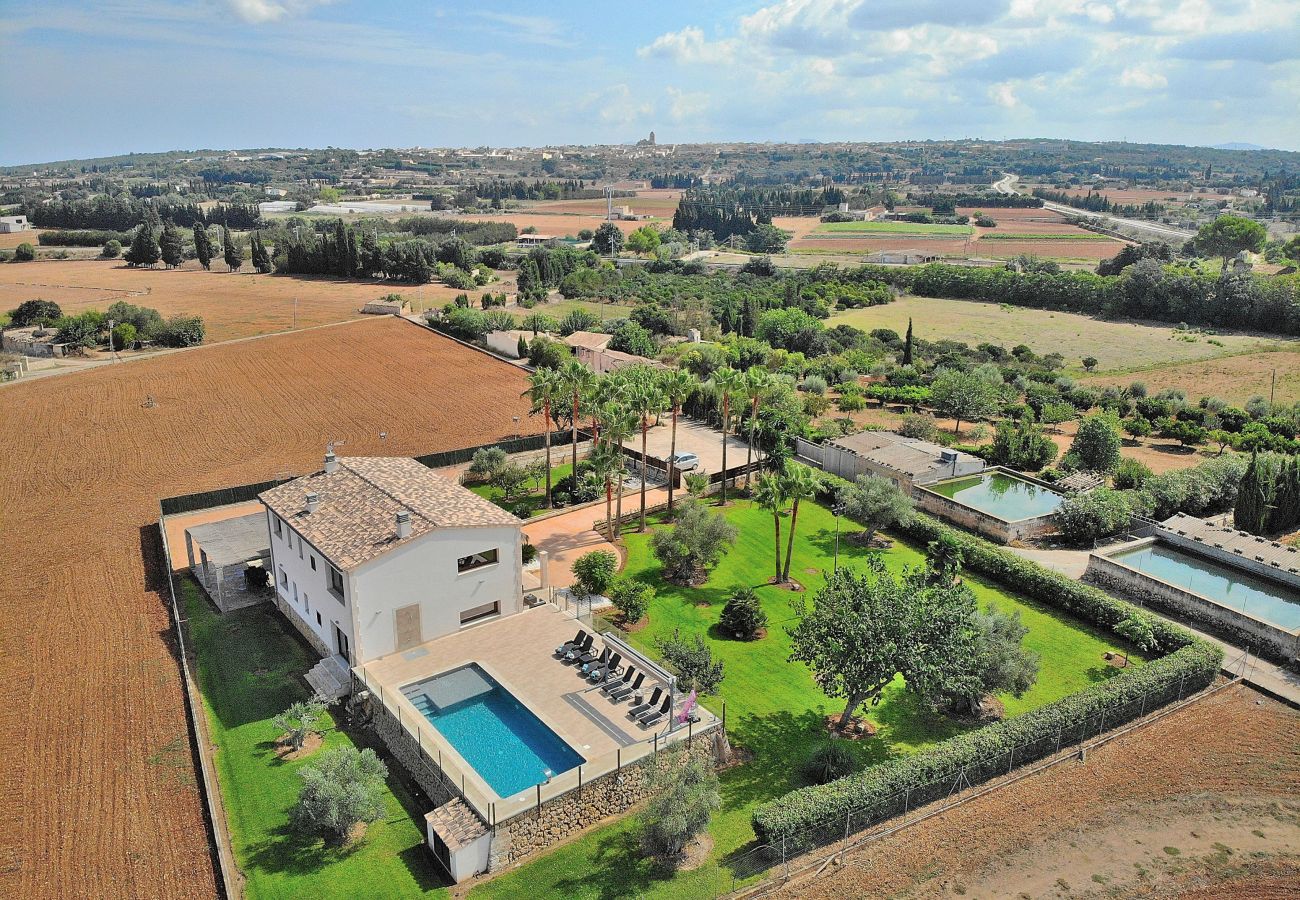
{"points": [[518, 653]]}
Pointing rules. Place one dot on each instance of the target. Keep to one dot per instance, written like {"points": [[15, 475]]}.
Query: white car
{"points": [[684, 461]]}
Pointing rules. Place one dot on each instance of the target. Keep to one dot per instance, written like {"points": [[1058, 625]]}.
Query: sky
{"points": [[80, 78]]}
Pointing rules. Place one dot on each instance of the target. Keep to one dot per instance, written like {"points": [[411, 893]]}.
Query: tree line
{"points": [[1094, 201], [125, 213]]}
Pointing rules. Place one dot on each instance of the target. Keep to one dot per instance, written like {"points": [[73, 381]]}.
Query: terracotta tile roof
{"points": [[356, 519], [589, 340], [456, 824]]}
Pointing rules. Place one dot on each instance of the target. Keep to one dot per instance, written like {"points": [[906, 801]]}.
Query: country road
{"points": [[1006, 185]]}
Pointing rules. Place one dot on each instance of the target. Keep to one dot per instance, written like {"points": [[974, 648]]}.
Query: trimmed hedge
{"points": [[812, 815]]}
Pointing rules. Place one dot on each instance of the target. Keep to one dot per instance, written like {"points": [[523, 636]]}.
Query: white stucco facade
{"points": [[442, 574]]}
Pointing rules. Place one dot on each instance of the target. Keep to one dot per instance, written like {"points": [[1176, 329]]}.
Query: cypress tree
{"points": [[907, 344], [202, 245], [1251, 511], [144, 250], [171, 247], [233, 251], [340, 249]]}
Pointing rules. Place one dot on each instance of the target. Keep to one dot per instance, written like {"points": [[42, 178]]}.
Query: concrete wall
{"points": [[989, 526], [849, 465], [1263, 637], [424, 572]]}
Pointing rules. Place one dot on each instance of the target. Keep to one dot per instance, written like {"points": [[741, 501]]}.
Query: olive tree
{"points": [[344, 788]]}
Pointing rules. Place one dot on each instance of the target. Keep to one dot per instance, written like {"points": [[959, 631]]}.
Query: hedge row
{"points": [[83, 238], [812, 815]]}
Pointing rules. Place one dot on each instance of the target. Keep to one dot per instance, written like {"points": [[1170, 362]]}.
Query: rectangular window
{"points": [[487, 610], [300, 548], [284, 579], [476, 560], [318, 621], [313, 563], [336, 582], [279, 526]]}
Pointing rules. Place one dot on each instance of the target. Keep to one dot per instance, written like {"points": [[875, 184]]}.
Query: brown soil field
{"points": [[557, 224], [948, 246], [1233, 378], [661, 203], [1090, 250], [235, 305], [12, 239], [1034, 226], [1202, 802], [1014, 215], [100, 789]]}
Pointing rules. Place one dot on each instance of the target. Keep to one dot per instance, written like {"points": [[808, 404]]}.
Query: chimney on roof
{"points": [[331, 463], [313, 501], [403, 524]]}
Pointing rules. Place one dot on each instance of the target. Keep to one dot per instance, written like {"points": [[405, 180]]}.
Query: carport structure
{"points": [[225, 549]]}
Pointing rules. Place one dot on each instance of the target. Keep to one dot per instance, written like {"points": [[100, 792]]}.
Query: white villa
{"points": [[375, 555]]}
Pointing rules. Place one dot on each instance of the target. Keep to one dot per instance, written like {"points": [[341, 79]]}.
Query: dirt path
{"points": [[1220, 773]]}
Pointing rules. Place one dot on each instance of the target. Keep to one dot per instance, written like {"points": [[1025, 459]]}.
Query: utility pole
{"points": [[1272, 388]]}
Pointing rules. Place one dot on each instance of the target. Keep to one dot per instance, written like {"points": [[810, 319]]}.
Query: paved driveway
{"points": [[569, 535]]}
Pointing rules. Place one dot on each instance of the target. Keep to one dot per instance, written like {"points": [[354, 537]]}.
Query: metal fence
{"points": [[882, 816]]}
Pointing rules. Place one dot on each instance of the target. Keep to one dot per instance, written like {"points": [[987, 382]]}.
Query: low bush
{"points": [[1083, 518], [632, 598], [696, 668], [829, 762], [743, 616], [24, 252]]}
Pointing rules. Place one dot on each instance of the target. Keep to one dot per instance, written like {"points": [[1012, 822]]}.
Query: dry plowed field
{"points": [[99, 787], [1201, 803], [236, 305]]}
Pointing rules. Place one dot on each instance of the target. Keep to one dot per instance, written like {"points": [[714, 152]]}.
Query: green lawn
{"points": [[250, 667], [535, 501], [892, 228], [774, 709]]}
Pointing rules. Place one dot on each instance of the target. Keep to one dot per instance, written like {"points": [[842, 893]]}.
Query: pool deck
{"points": [[517, 652]]}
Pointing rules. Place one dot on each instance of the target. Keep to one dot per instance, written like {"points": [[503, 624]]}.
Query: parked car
{"points": [[684, 461]]}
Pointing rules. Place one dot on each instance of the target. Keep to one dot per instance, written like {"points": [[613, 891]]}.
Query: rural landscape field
{"points": [[786, 448]]}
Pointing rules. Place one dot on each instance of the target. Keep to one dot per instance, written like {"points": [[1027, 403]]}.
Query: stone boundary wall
{"points": [[1234, 560], [405, 748], [1263, 637], [983, 523]]}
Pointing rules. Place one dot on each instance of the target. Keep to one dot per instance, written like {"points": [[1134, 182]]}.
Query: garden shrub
{"points": [[594, 571], [696, 668], [829, 762], [632, 598], [743, 615], [1083, 518]]}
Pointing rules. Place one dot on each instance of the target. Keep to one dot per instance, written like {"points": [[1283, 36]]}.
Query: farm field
{"points": [[774, 709], [558, 224], [1233, 378], [1115, 344], [95, 718], [9, 240], [559, 308], [250, 667], [892, 228], [1144, 195], [661, 203], [1143, 817], [233, 306]]}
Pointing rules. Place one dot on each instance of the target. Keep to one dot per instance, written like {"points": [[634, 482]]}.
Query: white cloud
{"points": [[1142, 77], [258, 12], [688, 46], [686, 106], [1004, 95]]}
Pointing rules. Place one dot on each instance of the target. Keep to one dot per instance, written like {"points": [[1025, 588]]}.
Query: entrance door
{"points": [[408, 626], [341, 643]]}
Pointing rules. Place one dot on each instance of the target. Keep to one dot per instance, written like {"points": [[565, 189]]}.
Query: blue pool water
{"points": [[1232, 588], [506, 744]]}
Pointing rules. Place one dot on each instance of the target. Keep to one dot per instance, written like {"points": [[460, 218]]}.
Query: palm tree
{"points": [[645, 401], [800, 483], [605, 460], [677, 386], [620, 424], [577, 381], [757, 384], [726, 383], [543, 388], [770, 495]]}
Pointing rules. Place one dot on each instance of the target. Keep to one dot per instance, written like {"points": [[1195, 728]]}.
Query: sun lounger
{"points": [[625, 690], [650, 718], [569, 645], [608, 670], [577, 652], [649, 704], [611, 686], [591, 661]]}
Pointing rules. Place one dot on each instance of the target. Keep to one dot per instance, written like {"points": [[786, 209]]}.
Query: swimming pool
{"points": [[1000, 495], [1228, 587], [501, 738]]}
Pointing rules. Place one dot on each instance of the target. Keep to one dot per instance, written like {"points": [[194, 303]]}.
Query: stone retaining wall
{"points": [[982, 523], [536, 829], [1262, 637]]}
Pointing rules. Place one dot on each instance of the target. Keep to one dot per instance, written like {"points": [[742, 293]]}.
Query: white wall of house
{"points": [[425, 572], [302, 578]]}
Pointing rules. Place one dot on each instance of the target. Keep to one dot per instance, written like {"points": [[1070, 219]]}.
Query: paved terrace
{"points": [[517, 652]]}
